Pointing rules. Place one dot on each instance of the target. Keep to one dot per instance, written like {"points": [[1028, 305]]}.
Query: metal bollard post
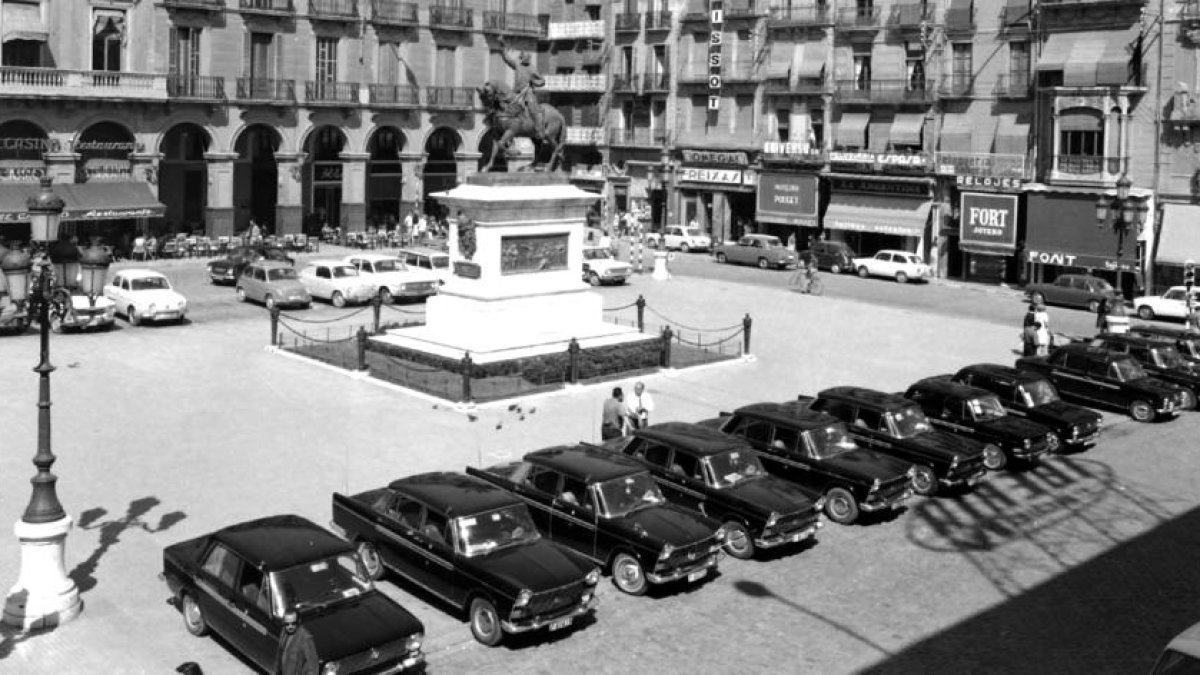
{"points": [[573, 361], [362, 348], [746, 324], [467, 365], [275, 326], [665, 354], [376, 306], [641, 308]]}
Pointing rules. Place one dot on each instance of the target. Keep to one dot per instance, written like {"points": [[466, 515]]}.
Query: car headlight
{"points": [[592, 577], [523, 598], [1028, 443], [667, 550], [875, 485], [953, 462], [414, 642], [772, 520], [183, 304], [331, 668]]}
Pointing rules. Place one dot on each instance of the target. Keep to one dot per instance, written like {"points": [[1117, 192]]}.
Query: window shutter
{"points": [[247, 55], [173, 58]]}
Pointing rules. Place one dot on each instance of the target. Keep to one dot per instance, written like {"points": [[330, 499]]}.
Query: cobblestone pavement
{"points": [[164, 433]]}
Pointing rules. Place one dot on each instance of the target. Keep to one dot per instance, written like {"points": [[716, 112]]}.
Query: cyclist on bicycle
{"points": [[809, 261]]}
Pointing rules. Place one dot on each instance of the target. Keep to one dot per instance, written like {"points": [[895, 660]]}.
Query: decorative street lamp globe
{"points": [[45, 213], [94, 263], [64, 256], [17, 265]]}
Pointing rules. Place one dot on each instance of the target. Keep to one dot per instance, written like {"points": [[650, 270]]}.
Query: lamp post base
{"points": [[44, 596]]}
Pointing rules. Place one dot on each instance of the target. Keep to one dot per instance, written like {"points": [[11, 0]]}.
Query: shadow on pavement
{"points": [[756, 590], [1112, 613], [111, 531]]}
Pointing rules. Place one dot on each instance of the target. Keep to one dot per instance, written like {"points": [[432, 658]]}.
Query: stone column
{"points": [[220, 193], [61, 166], [289, 203], [354, 190]]}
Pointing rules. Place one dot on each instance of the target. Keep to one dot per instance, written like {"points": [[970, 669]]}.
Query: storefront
{"points": [[787, 205], [716, 189], [987, 234], [1178, 242], [115, 212], [879, 212]]}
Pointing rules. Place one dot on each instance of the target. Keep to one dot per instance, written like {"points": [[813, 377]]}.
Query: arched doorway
{"points": [[441, 169], [323, 173], [22, 148], [385, 177], [183, 176], [104, 150], [485, 151], [255, 190]]}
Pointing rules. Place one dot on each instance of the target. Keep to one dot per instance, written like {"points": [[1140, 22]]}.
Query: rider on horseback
{"points": [[525, 79]]}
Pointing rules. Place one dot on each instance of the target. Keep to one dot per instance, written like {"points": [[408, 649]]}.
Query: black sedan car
{"points": [[1099, 377], [243, 580], [608, 507], [227, 270], [896, 426], [1030, 395], [721, 476], [1186, 341], [977, 413], [815, 450], [1161, 360], [473, 545]]}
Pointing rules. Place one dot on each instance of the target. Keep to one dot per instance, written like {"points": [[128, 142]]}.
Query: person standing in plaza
{"points": [[1029, 332], [639, 406], [1042, 322], [1116, 318], [297, 653], [613, 418]]}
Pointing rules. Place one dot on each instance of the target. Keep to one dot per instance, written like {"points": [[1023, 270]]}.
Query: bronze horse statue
{"points": [[513, 121]]}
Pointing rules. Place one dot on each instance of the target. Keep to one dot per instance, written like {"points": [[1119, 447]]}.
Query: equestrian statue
{"points": [[516, 112]]}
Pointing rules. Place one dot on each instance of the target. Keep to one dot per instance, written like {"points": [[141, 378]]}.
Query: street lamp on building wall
{"points": [[44, 595], [1124, 214]]}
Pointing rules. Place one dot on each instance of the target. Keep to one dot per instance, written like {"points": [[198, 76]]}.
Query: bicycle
{"points": [[806, 281]]}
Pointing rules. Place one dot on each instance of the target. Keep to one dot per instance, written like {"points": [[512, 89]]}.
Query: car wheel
{"points": [[1053, 442], [840, 506], [864, 272], [720, 257], [1141, 411], [923, 481], [763, 264], [385, 296], [594, 279], [994, 458], [1037, 299], [193, 616], [1146, 313], [131, 313], [628, 575], [269, 301], [901, 278], [241, 294], [1094, 306], [684, 248], [337, 299], [370, 559], [737, 540], [835, 269], [485, 622]]}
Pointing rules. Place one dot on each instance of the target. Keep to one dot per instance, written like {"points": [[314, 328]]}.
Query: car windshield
{"points": [[322, 582], [624, 495], [986, 408], [1102, 285], [388, 265], [1167, 357], [908, 422], [1126, 369], [342, 271], [486, 532], [693, 232], [149, 284], [831, 441], [733, 466], [1038, 392], [596, 253], [772, 242], [281, 274]]}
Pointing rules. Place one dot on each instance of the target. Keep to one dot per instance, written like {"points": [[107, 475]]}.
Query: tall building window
{"points": [[389, 63], [816, 129], [260, 64], [108, 37], [1080, 140], [1018, 63], [627, 61], [783, 123], [445, 75], [184, 52], [914, 66], [960, 64], [25, 33], [862, 71], [327, 50]]}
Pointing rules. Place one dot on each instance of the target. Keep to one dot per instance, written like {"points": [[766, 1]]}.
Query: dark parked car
{"points": [[835, 256], [1161, 360], [609, 508], [815, 450], [896, 426], [720, 476], [473, 545], [978, 413], [227, 270], [242, 580], [1075, 290], [1031, 395], [1098, 377], [1186, 341]]}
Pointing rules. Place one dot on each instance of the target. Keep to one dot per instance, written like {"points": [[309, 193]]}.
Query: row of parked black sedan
{"points": [[520, 547]]}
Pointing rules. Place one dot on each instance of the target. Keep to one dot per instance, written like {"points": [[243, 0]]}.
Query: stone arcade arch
{"points": [[441, 167], [183, 175], [385, 176], [255, 176], [322, 189]]}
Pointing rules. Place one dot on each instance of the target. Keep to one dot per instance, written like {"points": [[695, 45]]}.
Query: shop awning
{"points": [[906, 128], [959, 14], [23, 21], [812, 61], [1016, 10], [1080, 69], [1180, 237], [1061, 230], [884, 214], [1113, 67], [1057, 50], [85, 201], [879, 134], [852, 130], [780, 65], [956, 134], [1012, 135]]}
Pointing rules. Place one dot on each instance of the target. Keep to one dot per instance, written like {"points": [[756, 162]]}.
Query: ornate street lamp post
{"points": [[44, 595], [1123, 214]]}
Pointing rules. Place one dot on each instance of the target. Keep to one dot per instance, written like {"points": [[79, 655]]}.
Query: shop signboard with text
{"points": [[696, 174], [789, 199], [988, 223]]}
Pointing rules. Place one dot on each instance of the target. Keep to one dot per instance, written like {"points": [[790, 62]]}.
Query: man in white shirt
{"points": [[640, 405]]}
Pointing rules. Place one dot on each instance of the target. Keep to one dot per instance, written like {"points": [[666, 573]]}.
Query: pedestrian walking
{"points": [[297, 653], [614, 416], [639, 406], [1042, 321], [1102, 316], [792, 241], [1116, 318], [1029, 332]]}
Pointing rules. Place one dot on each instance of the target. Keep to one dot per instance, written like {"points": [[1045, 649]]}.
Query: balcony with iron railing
{"points": [[957, 85], [1088, 168], [333, 10], [745, 9], [196, 87], [21, 82], [575, 30], [637, 137], [857, 18], [322, 93], [576, 82], [267, 7], [450, 97], [451, 18], [266, 90], [981, 164], [585, 135], [656, 82], [1077, 14], [627, 22], [210, 5], [624, 82], [802, 87], [394, 95], [1091, 3], [394, 13], [658, 21], [885, 91], [1189, 14], [1014, 85], [812, 15], [911, 15], [510, 23]]}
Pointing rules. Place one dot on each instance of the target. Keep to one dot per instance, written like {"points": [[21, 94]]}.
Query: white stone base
{"points": [[44, 596]]}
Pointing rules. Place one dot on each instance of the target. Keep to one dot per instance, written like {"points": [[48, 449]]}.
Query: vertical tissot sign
{"points": [[988, 221], [716, 21]]}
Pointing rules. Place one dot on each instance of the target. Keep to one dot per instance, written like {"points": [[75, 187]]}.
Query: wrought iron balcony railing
{"points": [[393, 13], [338, 93], [576, 82], [812, 15], [647, 137], [271, 7], [1082, 165], [957, 85], [885, 91], [450, 97], [624, 82], [627, 22], [336, 10], [802, 87], [658, 21], [656, 82], [857, 18], [394, 95], [585, 135], [196, 87], [454, 18], [510, 23], [1014, 85], [266, 90]]}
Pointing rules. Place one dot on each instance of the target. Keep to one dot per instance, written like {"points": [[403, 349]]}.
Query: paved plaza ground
{"points": [[1087, 564]]}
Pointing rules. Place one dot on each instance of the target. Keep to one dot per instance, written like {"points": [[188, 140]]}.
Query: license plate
{"points": [[561, 624], [697, 575]]}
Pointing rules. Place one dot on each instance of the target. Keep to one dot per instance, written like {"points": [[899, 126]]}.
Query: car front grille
{"points": [[967, 468], [892, 489], [692, 552], [556, 600], [374, 659], [419, 287], [796, 522], [1087, 428]]}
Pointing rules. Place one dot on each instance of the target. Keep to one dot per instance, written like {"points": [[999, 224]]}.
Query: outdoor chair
{"points": [[289, 242], [189, 247], [301, 243], [222, 245], [170, 248]]}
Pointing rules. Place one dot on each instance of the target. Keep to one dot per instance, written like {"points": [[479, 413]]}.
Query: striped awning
{"points": [[85, 201], [780, 65], [883, 214], [812, 61], [907, 127], [852, 130], [1180, 238], [1012, 135], [23, 21], [956, 134], [879, 133]]}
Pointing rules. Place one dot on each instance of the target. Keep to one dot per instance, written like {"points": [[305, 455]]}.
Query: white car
{"points": [[393, 278], [899, 265], [145, 295], [679, 237], [1172, 304], [85, 314], [601, 267], [435, 261], [336, 281]]}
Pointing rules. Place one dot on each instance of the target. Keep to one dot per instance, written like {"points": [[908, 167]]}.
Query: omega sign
{"points": [[716, 21]]}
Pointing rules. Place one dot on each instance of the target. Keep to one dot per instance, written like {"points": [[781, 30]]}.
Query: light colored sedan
{"points": [[336, 281], [393, 278], [273, 284], [85, 314], [145, 295], [899, 265], [1172, 304], [762, 250]]}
